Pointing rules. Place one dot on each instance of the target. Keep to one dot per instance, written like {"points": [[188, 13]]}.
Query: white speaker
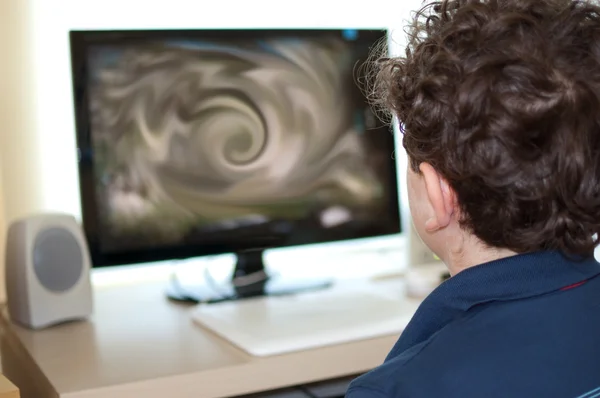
{"points": [[47, 271]]}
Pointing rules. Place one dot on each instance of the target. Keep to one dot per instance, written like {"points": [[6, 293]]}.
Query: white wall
{"points": [[38, 152], [37, 137], [18, 132], [54, 143], [18, 152]]}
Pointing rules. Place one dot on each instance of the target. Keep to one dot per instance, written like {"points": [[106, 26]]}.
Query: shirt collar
{"points": [[511, 278]]}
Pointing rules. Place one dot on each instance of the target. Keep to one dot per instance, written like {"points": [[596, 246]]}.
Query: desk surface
{"points": [[140, 344], [7, 388]]}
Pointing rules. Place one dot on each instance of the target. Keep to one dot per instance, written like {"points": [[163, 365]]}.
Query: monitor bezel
{"points": [[80, 40]]}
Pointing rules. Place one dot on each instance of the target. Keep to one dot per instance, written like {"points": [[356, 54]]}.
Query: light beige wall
{"points": [[17, 127], [2, 243]]}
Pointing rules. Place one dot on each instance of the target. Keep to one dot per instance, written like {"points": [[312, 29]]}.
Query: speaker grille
{"points": [[57, 259]]}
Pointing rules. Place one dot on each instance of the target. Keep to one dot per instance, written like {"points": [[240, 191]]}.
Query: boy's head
{"points": [[499, 103]]}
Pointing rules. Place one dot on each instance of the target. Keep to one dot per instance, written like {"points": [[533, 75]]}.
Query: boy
{"points": [[499, 103]]}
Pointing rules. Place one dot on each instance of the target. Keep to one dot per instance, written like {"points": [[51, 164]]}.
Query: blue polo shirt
{"points": [[527, 326]]}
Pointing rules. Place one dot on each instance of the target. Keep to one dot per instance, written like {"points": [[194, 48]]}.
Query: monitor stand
{"points": [[249, 279]]}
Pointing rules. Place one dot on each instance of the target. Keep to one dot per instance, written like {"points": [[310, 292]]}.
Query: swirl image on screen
{"points": [[191, 138]]}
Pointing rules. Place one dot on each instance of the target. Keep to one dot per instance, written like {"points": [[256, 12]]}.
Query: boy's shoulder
{"points": [[523, 348], [427, 369], [391, 379]]}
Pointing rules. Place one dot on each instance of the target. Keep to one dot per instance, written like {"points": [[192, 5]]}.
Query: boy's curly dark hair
{"points": [[502, 97]]}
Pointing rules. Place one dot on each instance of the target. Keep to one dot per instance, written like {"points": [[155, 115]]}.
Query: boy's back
{"points": [[499, 105], [537, 337]]}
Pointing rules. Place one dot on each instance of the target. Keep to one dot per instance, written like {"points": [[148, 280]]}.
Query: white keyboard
{"points": [[282, 324]]}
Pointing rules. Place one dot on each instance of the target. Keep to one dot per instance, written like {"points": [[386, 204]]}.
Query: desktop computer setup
{"points": [[203, 142]]}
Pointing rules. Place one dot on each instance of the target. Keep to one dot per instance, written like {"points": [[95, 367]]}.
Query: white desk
{"points": [[138, 344]]}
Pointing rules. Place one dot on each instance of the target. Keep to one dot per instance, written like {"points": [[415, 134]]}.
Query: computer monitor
{"points": [[202, 142]]}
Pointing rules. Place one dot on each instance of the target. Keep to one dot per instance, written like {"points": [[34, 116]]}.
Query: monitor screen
{"points": [[215, 141]]}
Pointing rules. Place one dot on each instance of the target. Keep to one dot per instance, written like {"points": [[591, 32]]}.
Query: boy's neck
{"points": [[472, 254]]}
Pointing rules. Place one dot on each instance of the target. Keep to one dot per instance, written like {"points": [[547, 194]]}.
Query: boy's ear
{"points": [[441, 198]]}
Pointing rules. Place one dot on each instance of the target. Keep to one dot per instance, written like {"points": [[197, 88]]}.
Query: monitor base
{"points": [[249, 279], [209, 291]]}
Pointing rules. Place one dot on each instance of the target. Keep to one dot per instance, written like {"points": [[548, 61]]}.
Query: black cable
{"points": [[307, 392]]}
